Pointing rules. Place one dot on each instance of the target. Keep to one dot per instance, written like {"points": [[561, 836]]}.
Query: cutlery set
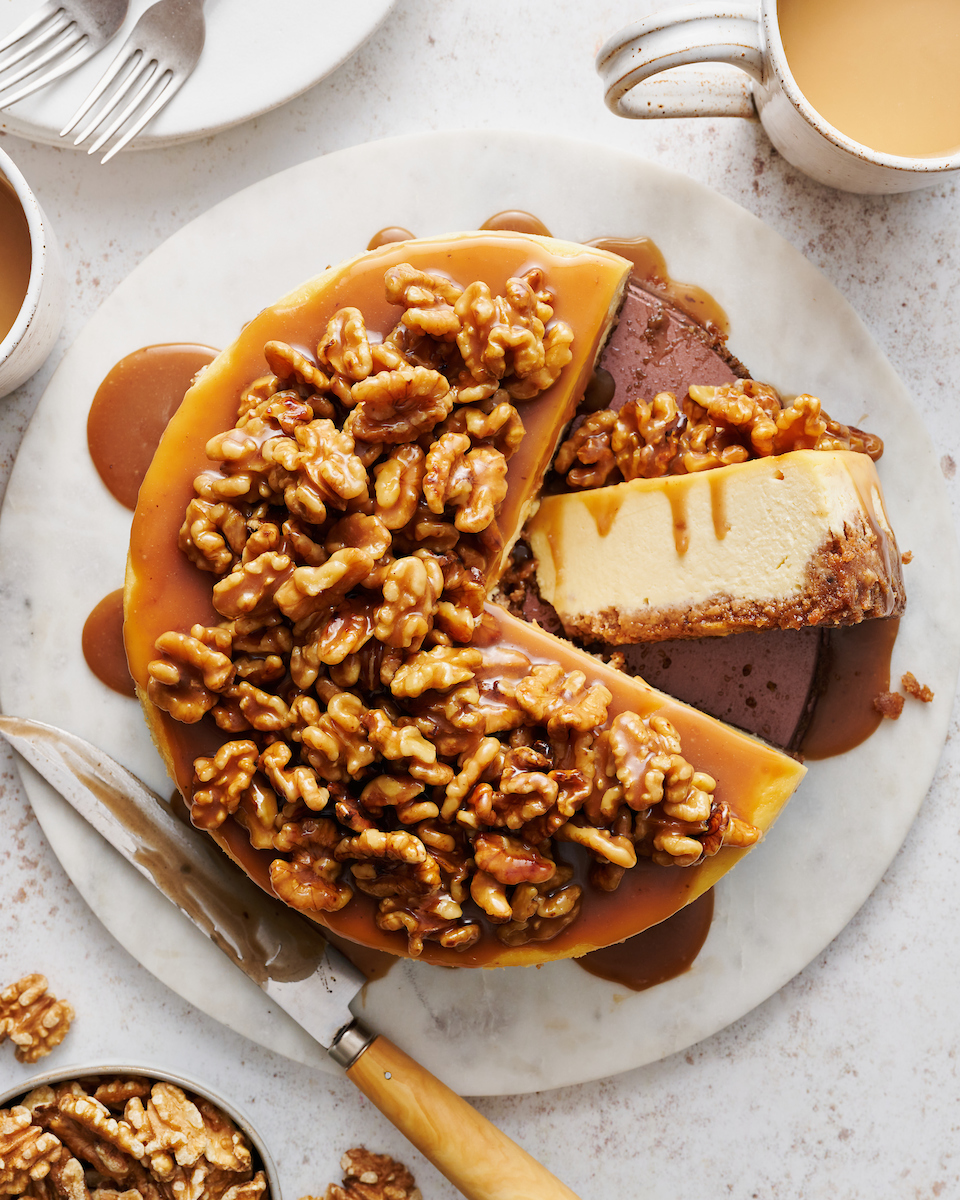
{"points": [[153, 64]]}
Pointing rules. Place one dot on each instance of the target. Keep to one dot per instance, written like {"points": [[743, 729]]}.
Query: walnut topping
{"points": [[377, 736], [714, 427], [33, 1020], [125, 1138], [368, 1176]]}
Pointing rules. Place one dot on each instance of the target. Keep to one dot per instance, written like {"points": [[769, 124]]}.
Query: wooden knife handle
{"points": [[473, 1154]]}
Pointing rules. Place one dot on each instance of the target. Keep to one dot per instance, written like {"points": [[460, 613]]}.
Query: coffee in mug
{"points": [[14, 257], [883, 72]]}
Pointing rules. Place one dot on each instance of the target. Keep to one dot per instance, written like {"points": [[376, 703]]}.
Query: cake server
{"points": [[288, 958]]}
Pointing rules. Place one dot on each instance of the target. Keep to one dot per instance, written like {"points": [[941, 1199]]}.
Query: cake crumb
{"points": [[889, 704], [913, 687], [906, 557]]}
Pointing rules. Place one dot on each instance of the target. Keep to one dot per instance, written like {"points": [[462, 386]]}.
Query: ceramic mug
{"points": [[745, 36], [37, 326]]}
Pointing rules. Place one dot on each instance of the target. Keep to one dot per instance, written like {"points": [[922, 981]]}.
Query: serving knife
{"points": [[288, 958]]}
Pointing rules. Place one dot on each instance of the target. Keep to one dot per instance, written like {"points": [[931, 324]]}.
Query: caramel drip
{"points": [[392, 233], [131, 409], [718, 507], [515, 220], [102, 642], [678, 507], [857, 668], [604, 505], [15, 253], [658, 954], [651, 267]]}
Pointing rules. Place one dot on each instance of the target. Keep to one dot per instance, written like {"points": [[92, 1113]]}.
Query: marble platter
{"points": [[251, 62], [63, 545]]}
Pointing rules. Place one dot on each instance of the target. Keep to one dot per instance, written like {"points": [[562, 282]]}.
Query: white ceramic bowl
{"points": [[158, 1073], [33, 334]]}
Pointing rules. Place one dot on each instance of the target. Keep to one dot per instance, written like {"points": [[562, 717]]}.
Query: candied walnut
{"points": [[428, 298], [224, 778], [511, 860], [616, 849], [328, 639], [401, 792], [501, 427], [212, 535], [398, 481], [298, 783], [411, 588], [345, 347], [589, 445], [307, 590], [913, 687], [889, 704], [491, 895], [399, 741], [311, 879], [398, 406], [556, 355], [26, 1151], [286, 362], [335, 743], [472, 481], [249, 589], [359, 531], [375, 843], [368, 1176], [325, 457], [33, 1020], [438, 669], [642, 439], [186, 683], [560, 701]]}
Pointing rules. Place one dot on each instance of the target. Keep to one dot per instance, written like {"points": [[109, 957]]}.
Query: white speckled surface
{"points": [[844, 1082]]}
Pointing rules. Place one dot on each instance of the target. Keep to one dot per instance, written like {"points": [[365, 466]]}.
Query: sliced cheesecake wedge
{"points": [[775, 543]]}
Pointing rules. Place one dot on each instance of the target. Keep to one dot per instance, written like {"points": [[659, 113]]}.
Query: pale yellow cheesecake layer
{"points": [[781, 542]]}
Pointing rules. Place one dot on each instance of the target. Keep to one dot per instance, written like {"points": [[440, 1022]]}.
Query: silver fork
{"points": [[153, 64], [59, 37]]}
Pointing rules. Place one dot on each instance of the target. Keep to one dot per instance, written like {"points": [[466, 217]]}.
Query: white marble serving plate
{"points": [[255, 58], [63, 545]]}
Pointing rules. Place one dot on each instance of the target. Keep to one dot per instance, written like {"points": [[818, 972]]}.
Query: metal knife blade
{"points": [[288, 957]]}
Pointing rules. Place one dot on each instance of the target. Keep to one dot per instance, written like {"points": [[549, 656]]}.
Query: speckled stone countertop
{"points": [[845, 1082]]}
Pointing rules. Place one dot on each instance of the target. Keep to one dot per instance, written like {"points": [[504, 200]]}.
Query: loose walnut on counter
{"points": [[369, 1176], [33, 1020]]}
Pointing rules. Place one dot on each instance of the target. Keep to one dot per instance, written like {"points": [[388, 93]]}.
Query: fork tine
{"points": [[44, 13], [44, 38], [69, 41], [169, 85], [129, 109], [80, 55], [126, 56]]}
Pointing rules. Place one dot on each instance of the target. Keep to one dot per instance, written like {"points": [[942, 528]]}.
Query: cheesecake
{"points": [[781, 542], [307, 626]]}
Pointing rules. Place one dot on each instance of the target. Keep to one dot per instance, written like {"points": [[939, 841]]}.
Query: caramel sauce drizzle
{"points": [[102, 642], [651, 267], [678, 507], [718, 507]]}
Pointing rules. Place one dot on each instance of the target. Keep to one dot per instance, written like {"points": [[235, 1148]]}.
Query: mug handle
{"points": [[700, 33]]}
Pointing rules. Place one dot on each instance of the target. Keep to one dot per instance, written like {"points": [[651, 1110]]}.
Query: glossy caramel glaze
{"points": [[855, 668], [102, 642], [392, 233], [516, 220], [658, 954], [131, 409], [650, 266]]}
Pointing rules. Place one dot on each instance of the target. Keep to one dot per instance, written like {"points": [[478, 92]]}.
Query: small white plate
{"points": [[256, 57], [63, 547]]}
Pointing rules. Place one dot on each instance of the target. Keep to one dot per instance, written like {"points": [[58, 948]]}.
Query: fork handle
{"points": [[463, 1145]]}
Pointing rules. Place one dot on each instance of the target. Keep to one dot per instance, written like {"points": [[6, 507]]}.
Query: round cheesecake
{"points": [[308, 624]]}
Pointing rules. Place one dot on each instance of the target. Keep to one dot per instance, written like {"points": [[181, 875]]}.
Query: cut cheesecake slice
{"points": [[775, 543]]}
